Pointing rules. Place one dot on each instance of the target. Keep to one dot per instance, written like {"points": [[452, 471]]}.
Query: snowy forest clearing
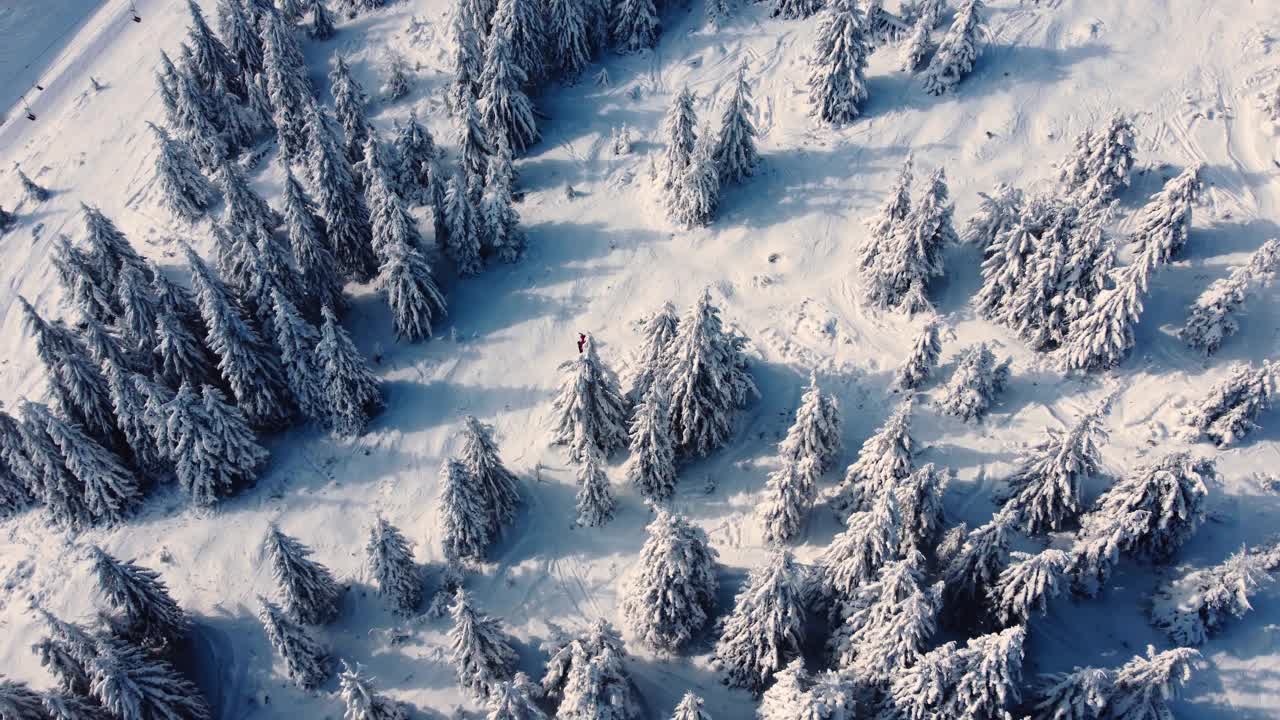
{"points": [[780, 258]]}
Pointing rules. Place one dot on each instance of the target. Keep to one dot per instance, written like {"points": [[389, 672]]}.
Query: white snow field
{"points": [[779, 260]]}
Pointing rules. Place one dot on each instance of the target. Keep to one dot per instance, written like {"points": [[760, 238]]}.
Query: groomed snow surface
{"points": [[779, 259]]}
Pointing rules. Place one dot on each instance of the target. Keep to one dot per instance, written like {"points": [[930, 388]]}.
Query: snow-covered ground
{"points": [[779, 260]]}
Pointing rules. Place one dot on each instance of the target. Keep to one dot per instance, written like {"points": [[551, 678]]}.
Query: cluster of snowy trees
{"points": [[688, 379], [1141, 688], [903, 249], [697, 162]]}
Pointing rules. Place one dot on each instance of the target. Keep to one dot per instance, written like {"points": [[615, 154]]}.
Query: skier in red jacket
{"points": [[582, 342]]}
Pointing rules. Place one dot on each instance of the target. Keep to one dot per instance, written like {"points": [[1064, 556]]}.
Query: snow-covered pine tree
{"points": [[322, 20], [245, 361], [133, 421], [504, 107], [362, 700], [1081, 694], [392, 224], [1027, 584], [569, 37], [528, 35], [857, 554], [214, 451], [181, 357], [1098, 167], [78, 279], [912, 254], [341, 205], [735, 150], [636, 25], [796, 9], [65, 706], [396, 80], [982, 680], [243, 209], [694, 197], [883, 225], [196, 116], [210, 61], [1145, 685], [479, 457], [1045, 489], [17, 491], [110, 491], [296, 341], [1104, 334], [415, 300], [33, 192], [673, 590], [307, 589], [598, 688], [651, 359], [925, 350], [468, 28], [1230, 410], [957, 51], [75, 384], [1197, 604], [236, 28], [837, 79], [916, 47], [977, 380], [464, 516], [109, 249], [976, 567], [414, 152], [390, 562], [104, 344], [138, 593], [766, 629], [134, 685], [349, 100], [887, 624], [786, 698], [498, 220], [679, 128], [66, 652], [595, 503], [690, 708], [589, 411], [55, 486], [1164, 223], [883, 461], [920, 509], [707, 379], [997, 212], [138, 308], [287, 83], [1211, 318], [462, 241], [1008, 227], [515, 699], [789, 495], [309, 245], [652, 468], [480, 652], [306, 661]]}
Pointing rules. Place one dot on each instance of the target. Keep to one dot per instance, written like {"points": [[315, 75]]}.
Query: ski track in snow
{"points": [[778, 259]]}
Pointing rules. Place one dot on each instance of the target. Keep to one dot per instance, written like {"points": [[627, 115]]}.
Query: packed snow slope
{"points": [[779, 259]]}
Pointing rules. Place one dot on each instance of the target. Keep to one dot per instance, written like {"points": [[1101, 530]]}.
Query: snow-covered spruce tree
{"points": [[1230, 410], [679, 128], [243, 209], [196, 117], [787, 697], [390, 562], [504, 107], [569, 38], [515, 699], [916, 47], [349, 100], [396, 80], [16, 494], [406, 280], [138, 593], [55, 487], [857, 554], [391, 222], [1104, 334], [636, 25], [1027, 584], [1045, 489], [589, 411], [693, 199], [887, 624], [595, 502], [652, 468], [66, 652], [900, 274], [33, 192], [796, 9], [1097, 548], [210, 61], [1145, 685], [957, 51], [1164, 223], [362, 700], [813, 440], [474, 145], [883, 461], [138, 308], [1081, 694], [883, 225], [133, 420], [920, 509], [977, 380], [672, 593], [1172, 489], [480, 652], [789, 494], [462, 241], [837, 80], [468, 28], [287, 84], [306, 661], [64, 706], [134, 685], [766, 629], [465, 518], [997, 211], [104, 344], [296, 341], [341, 205], [307, 589], [797, 694], [414, 153], [706, 378], [236, 28], [75, 385], [109, 489], [213, 449], [1211, 318], [690, 708], [925, 350], [525, 20], [479, 457], [309, 245], [498, 220], [1200, 602], [1008, 227], [598, 688], [245, 361], [322, 20], [979, 681], [109, 250], [735, 150], [976, 567], [1097, 169], [181, 356], [650, 360]]}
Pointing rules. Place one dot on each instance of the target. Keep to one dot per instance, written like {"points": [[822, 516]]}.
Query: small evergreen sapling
{"points": [[1212, 316], [837, 80], [595, 503], [362, 700], [1045, 490], [481, 654], [977, 380], [1200, 602], [672, 593], [390, 562], [134, 685], [766, 629], [589, 412], [735, 151], [925, 350], [35, 193], [138, 593], [1230, 410], [306, 661], [466, 521], [652, 468], [307, 589], [883, 461], [957, 51]]}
